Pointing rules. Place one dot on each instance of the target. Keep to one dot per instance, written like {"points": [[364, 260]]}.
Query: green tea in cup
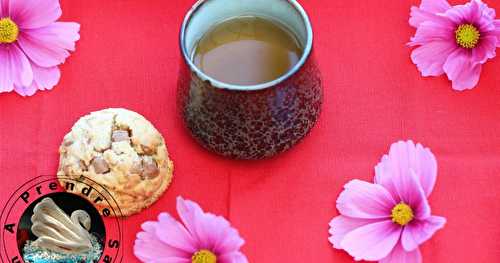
{"points": [[247, 50]]}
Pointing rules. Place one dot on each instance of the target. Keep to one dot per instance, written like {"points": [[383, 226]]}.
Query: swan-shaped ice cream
{"points": [[56, 231]]}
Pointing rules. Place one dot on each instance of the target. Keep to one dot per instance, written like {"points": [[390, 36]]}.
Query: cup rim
{"points": [[261, 86]]}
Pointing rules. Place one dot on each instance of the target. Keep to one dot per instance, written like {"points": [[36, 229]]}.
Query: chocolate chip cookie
{"points": [[121, 151]]}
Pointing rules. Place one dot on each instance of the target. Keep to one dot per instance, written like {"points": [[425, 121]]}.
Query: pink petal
{"points": [[67, 33], [403, 157], [46, 78], [435, 6], [429, 32], [148, 247], [419, 231], [490, 12], [48, 46], [173, 233], [6, 76], [15, 68], [485, 25], [418, 16], [431, 57], [365, 200], [461, 70], [3, 8], [20, 66], [496, 32], [427, 9], [413, 195], [227, 239], [170, 260], [372, 242], [342, 225], [211, 232], [459, 14], [475, 12], [43, 79], [486, 49], [399, 255], [233, 257], [26, 91], [34, 13], [484, 17], [188, 212], [424, 164]]}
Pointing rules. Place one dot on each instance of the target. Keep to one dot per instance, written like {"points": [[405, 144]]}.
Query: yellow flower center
{"points": [[204, 256], [467, 36], [8, 30], [402, 214]]}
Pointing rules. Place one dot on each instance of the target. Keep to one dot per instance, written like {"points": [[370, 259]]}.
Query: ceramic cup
{"points": [[248, 122]]}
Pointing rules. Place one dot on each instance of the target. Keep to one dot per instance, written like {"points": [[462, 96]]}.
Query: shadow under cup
{"points": [[248, 122]]}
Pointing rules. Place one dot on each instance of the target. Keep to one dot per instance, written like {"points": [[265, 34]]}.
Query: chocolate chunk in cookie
{"points": [[150, 168], [137, 168], [100, 165], [120, 135]]}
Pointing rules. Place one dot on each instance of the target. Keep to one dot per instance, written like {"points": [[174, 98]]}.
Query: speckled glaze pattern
{"points": [[251, 124]]}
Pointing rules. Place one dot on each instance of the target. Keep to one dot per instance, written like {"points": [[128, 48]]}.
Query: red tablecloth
{"points": [[128, 56]]}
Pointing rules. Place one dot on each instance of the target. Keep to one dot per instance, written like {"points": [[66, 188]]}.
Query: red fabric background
{"points": [[128, 57]]}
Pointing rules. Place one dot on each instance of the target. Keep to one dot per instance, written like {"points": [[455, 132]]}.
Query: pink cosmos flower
{"points": [[201, 238], [33, 44], [454, 40], [387, 221]]}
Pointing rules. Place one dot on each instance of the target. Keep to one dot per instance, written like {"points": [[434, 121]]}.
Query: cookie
{"points": [[121, 151]]}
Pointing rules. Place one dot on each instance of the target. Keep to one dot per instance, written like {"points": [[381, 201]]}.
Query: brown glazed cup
{"points": [[248, 122]]}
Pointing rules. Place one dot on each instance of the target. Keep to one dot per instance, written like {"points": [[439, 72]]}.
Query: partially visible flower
{"points": [[200, 238], [454, 40], [388, 220], [33, 44]]}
